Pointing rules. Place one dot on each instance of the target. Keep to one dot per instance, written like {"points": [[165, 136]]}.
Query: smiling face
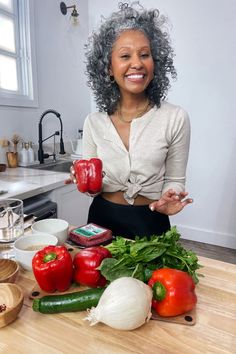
{"points": [[131, 62]]}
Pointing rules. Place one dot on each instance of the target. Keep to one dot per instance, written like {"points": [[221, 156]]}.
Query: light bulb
{"points": [[75, 20]]}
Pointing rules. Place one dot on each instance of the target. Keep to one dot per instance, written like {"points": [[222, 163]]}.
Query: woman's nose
{"points": [[136, 62]]}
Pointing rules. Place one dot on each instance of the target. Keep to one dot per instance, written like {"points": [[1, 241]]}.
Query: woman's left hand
{"points": [[171, 203]]}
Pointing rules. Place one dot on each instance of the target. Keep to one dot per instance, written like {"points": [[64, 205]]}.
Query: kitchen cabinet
{"points": [[72, 206]]}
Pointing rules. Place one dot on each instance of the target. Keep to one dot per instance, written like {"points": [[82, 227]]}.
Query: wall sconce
{"points": [[74, 13]]}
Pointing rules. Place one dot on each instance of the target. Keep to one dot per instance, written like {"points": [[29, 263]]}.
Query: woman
{"points": [[142, 140]]}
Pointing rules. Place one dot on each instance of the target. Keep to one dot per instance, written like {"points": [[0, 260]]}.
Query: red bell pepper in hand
{"points": [[173, 292], [85, 264], [53, 268], [89, 175]]}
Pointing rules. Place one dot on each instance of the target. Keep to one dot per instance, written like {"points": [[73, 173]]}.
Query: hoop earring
{"points": [[112, 79]]}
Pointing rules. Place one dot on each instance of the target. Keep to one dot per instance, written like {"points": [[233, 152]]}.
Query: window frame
{"points": [[27, 94]]}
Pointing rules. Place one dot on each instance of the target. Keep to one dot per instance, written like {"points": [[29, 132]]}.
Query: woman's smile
{"points": [[135, 77]]}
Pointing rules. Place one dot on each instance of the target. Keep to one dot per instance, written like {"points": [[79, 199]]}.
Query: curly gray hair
{"points": [[98, 55]]}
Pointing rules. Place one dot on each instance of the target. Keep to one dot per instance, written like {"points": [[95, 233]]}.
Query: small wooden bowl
{"points": [[9, 270], [11, 297], [3, 167]]}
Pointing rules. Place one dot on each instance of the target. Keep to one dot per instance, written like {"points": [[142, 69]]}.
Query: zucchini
{"points": [[77, 301]]}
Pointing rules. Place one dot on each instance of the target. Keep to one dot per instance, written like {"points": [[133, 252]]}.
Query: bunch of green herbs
{"points": [[140, 257]]}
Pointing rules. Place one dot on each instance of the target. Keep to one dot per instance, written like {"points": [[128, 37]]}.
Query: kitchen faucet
{"points": [[41, 155]]}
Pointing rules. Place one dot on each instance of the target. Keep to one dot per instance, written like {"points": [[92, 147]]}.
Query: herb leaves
{"points": [[140, 257]]}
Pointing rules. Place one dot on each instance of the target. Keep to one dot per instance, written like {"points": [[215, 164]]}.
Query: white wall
{"points": [[61, 80], [203, 36]]}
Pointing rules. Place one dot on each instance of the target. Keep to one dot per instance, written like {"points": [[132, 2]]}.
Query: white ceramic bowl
{"points": [[23, 245], [56, 227]]}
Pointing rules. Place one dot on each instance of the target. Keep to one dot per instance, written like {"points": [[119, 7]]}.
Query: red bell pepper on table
{"points": [[89, 175], [85, 266], [173, 292], [53, 268]]}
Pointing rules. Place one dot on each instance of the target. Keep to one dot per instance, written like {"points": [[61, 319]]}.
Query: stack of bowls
{"points": [[56, 227], [44, 233]]}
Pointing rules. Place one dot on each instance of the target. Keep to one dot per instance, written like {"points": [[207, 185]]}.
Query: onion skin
{"points": [[124, 305]]}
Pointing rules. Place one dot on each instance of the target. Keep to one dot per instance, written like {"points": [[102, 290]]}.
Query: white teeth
{"points": [[135, 76]]}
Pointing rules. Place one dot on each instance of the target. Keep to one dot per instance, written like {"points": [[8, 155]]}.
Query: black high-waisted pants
{"points": [[127, 220]]}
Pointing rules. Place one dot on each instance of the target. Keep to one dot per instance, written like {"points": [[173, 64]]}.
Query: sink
{"points": [[57, 166]]}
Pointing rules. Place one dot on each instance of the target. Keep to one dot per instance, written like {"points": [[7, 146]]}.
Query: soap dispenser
{"points": [[24, 154], [30, 152], [77, 151], [79, 142]]}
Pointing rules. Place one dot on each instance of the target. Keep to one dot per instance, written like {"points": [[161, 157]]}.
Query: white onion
{"points": [[125, 304]]}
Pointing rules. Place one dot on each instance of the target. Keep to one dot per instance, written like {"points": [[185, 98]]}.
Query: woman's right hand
{"points": [[72, 177]]}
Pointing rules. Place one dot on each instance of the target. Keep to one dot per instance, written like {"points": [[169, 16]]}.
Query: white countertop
{"points": [[24, 183]]}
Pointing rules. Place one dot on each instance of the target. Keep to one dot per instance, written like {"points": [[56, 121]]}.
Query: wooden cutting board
{"points": [[188, 318]]}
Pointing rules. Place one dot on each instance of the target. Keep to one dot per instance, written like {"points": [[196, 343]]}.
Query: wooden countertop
{"points": [[214, 331]]}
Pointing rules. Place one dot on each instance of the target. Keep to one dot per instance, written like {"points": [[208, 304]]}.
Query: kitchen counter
{"points": [[24, 183], [214, 331]]}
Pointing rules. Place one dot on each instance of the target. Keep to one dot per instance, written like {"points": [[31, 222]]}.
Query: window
{"points": [[18, 81]]}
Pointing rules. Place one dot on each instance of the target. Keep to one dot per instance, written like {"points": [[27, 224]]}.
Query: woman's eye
{"points": [[145, 55], [124, 56]]}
